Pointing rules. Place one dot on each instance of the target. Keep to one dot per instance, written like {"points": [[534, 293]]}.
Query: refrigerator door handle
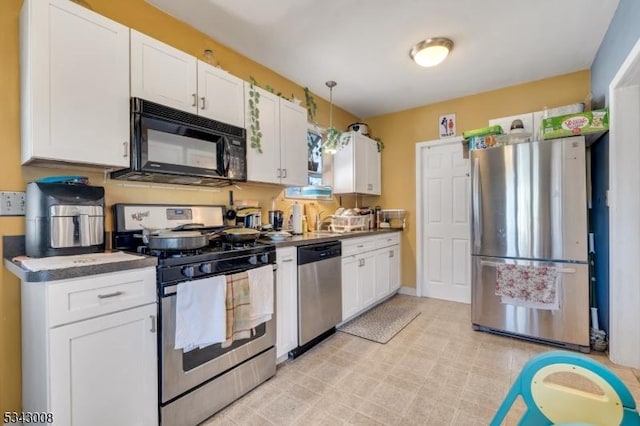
{"points": [[496, 264], [477, 207]]}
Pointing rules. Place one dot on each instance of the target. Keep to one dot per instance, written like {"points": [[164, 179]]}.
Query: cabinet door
{"points": [[163, 74], [220, 95], [104, 370], [366, 165], [286, 300], [373, 169], [350, 304], [394, 268], [382, 281], [360, 166], [75, 85], [293, 143], [343, 167], [366, 279], [265, 166]]}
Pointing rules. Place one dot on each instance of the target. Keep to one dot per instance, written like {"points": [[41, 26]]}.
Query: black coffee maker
{"points": [[276, 218]]}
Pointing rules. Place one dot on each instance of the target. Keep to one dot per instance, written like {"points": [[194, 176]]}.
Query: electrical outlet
{"points": [[12, 203]]}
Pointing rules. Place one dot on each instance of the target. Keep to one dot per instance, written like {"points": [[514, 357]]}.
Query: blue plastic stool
{"points": [[550, 403]]}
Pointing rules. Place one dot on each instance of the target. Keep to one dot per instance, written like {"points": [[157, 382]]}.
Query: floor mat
{"points": [[384, 321]]}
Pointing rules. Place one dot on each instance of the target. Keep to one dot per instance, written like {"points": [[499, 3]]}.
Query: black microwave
{"points": [[173, 146]]}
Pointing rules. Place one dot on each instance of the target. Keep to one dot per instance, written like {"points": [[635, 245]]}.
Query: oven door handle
{"points": [[171, 290]]}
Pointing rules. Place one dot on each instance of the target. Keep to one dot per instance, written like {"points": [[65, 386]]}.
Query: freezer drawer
{"points": [[568, 325]]}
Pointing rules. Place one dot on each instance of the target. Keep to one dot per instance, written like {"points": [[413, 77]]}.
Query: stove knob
{"points": [[187, 271], [205, 268]]}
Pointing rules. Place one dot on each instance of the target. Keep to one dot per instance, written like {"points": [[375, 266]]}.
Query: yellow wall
{"points": [[13, 177], [401, 131]]}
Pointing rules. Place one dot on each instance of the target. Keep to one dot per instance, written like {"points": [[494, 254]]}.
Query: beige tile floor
{"points": [[437, 371]]}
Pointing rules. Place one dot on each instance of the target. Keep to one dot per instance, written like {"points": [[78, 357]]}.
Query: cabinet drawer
{"points": [[86, 297], [357, 245], [388, 240]]}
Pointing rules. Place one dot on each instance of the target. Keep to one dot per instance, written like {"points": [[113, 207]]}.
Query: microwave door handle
{"points": [[227, 157]]}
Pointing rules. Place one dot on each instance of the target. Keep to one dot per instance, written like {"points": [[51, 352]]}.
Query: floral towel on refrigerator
{"points": [[529, 286]]}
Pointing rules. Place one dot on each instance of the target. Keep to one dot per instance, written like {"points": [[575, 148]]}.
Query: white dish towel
{"points": [[201, 313], [261, 291]]}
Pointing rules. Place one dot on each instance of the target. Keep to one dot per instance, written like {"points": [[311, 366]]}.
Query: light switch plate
{"points": [[12, 203]]}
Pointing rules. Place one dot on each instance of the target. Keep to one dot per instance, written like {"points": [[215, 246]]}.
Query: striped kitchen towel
{"points": [[238, 303]]}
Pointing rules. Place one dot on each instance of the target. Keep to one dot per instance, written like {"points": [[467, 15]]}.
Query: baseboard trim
{"points": [[409, 291]]}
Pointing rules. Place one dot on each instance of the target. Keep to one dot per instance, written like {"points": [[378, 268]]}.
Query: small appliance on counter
{"points": [[275, 219], [249, 217], [64, 219]]}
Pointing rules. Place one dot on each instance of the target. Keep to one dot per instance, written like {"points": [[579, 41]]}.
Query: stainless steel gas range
{"points": [[195, 384]]}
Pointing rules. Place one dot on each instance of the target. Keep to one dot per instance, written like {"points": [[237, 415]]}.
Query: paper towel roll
{"points": [[296, 218]]}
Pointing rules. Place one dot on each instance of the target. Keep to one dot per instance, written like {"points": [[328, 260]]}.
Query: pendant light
{"points": [[330, 144]]}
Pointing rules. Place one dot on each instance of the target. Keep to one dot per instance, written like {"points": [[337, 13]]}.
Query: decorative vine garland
{"points": [[254, 114]]}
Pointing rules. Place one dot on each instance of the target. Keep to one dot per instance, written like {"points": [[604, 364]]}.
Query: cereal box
{"points": [[575, 124]]}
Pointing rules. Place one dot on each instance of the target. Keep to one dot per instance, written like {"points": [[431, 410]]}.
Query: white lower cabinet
{"points": [[382, 273], [99, 368], [366, 278], [370, 272], [350, 302], [286, 301], [104, 363]]}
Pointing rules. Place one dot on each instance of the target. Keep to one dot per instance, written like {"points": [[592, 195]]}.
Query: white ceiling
{"points": [[364, 44]]}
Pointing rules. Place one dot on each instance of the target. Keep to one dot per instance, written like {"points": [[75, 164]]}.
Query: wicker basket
{"points": [[348, 223]]}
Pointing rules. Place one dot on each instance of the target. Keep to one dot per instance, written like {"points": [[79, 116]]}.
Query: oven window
{"points": [[181, 150], [197, 357]]}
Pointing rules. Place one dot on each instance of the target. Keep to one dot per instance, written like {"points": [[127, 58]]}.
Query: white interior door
{"points": [[443, 215]]}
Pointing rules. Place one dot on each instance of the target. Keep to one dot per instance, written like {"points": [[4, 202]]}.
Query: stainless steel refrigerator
{"points": [[529, 209]]}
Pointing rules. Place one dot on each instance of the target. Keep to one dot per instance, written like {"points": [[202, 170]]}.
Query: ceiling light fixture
{"points": [[430, 52]]}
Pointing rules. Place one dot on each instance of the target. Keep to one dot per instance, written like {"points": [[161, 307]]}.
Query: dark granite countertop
{"points": [[14, 246], [324, 236]]}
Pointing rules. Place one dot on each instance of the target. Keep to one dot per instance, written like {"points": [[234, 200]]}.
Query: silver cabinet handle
{"points": [[153, 323], [390, 253], [195, 99], [108, 295], [360, 245], [284, 173], [202, 101], [125, 149], [369, 186], [360, 262], [287, 260], [279, 172]]}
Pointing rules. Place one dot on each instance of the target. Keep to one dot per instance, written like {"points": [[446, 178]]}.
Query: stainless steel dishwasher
{"points": [[319, 293]]}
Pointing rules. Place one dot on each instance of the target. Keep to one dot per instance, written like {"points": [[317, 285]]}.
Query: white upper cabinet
{"points": [[265, 166], [283, 126], [293, 143], [220, 95], [163, 74], [74, 72], [356, 166]]}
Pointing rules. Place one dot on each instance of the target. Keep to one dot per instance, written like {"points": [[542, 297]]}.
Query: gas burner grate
{"points": [[237, 246]]}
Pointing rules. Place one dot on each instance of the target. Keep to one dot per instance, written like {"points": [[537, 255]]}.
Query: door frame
{"points": [[421, 247], [624, 204]]}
